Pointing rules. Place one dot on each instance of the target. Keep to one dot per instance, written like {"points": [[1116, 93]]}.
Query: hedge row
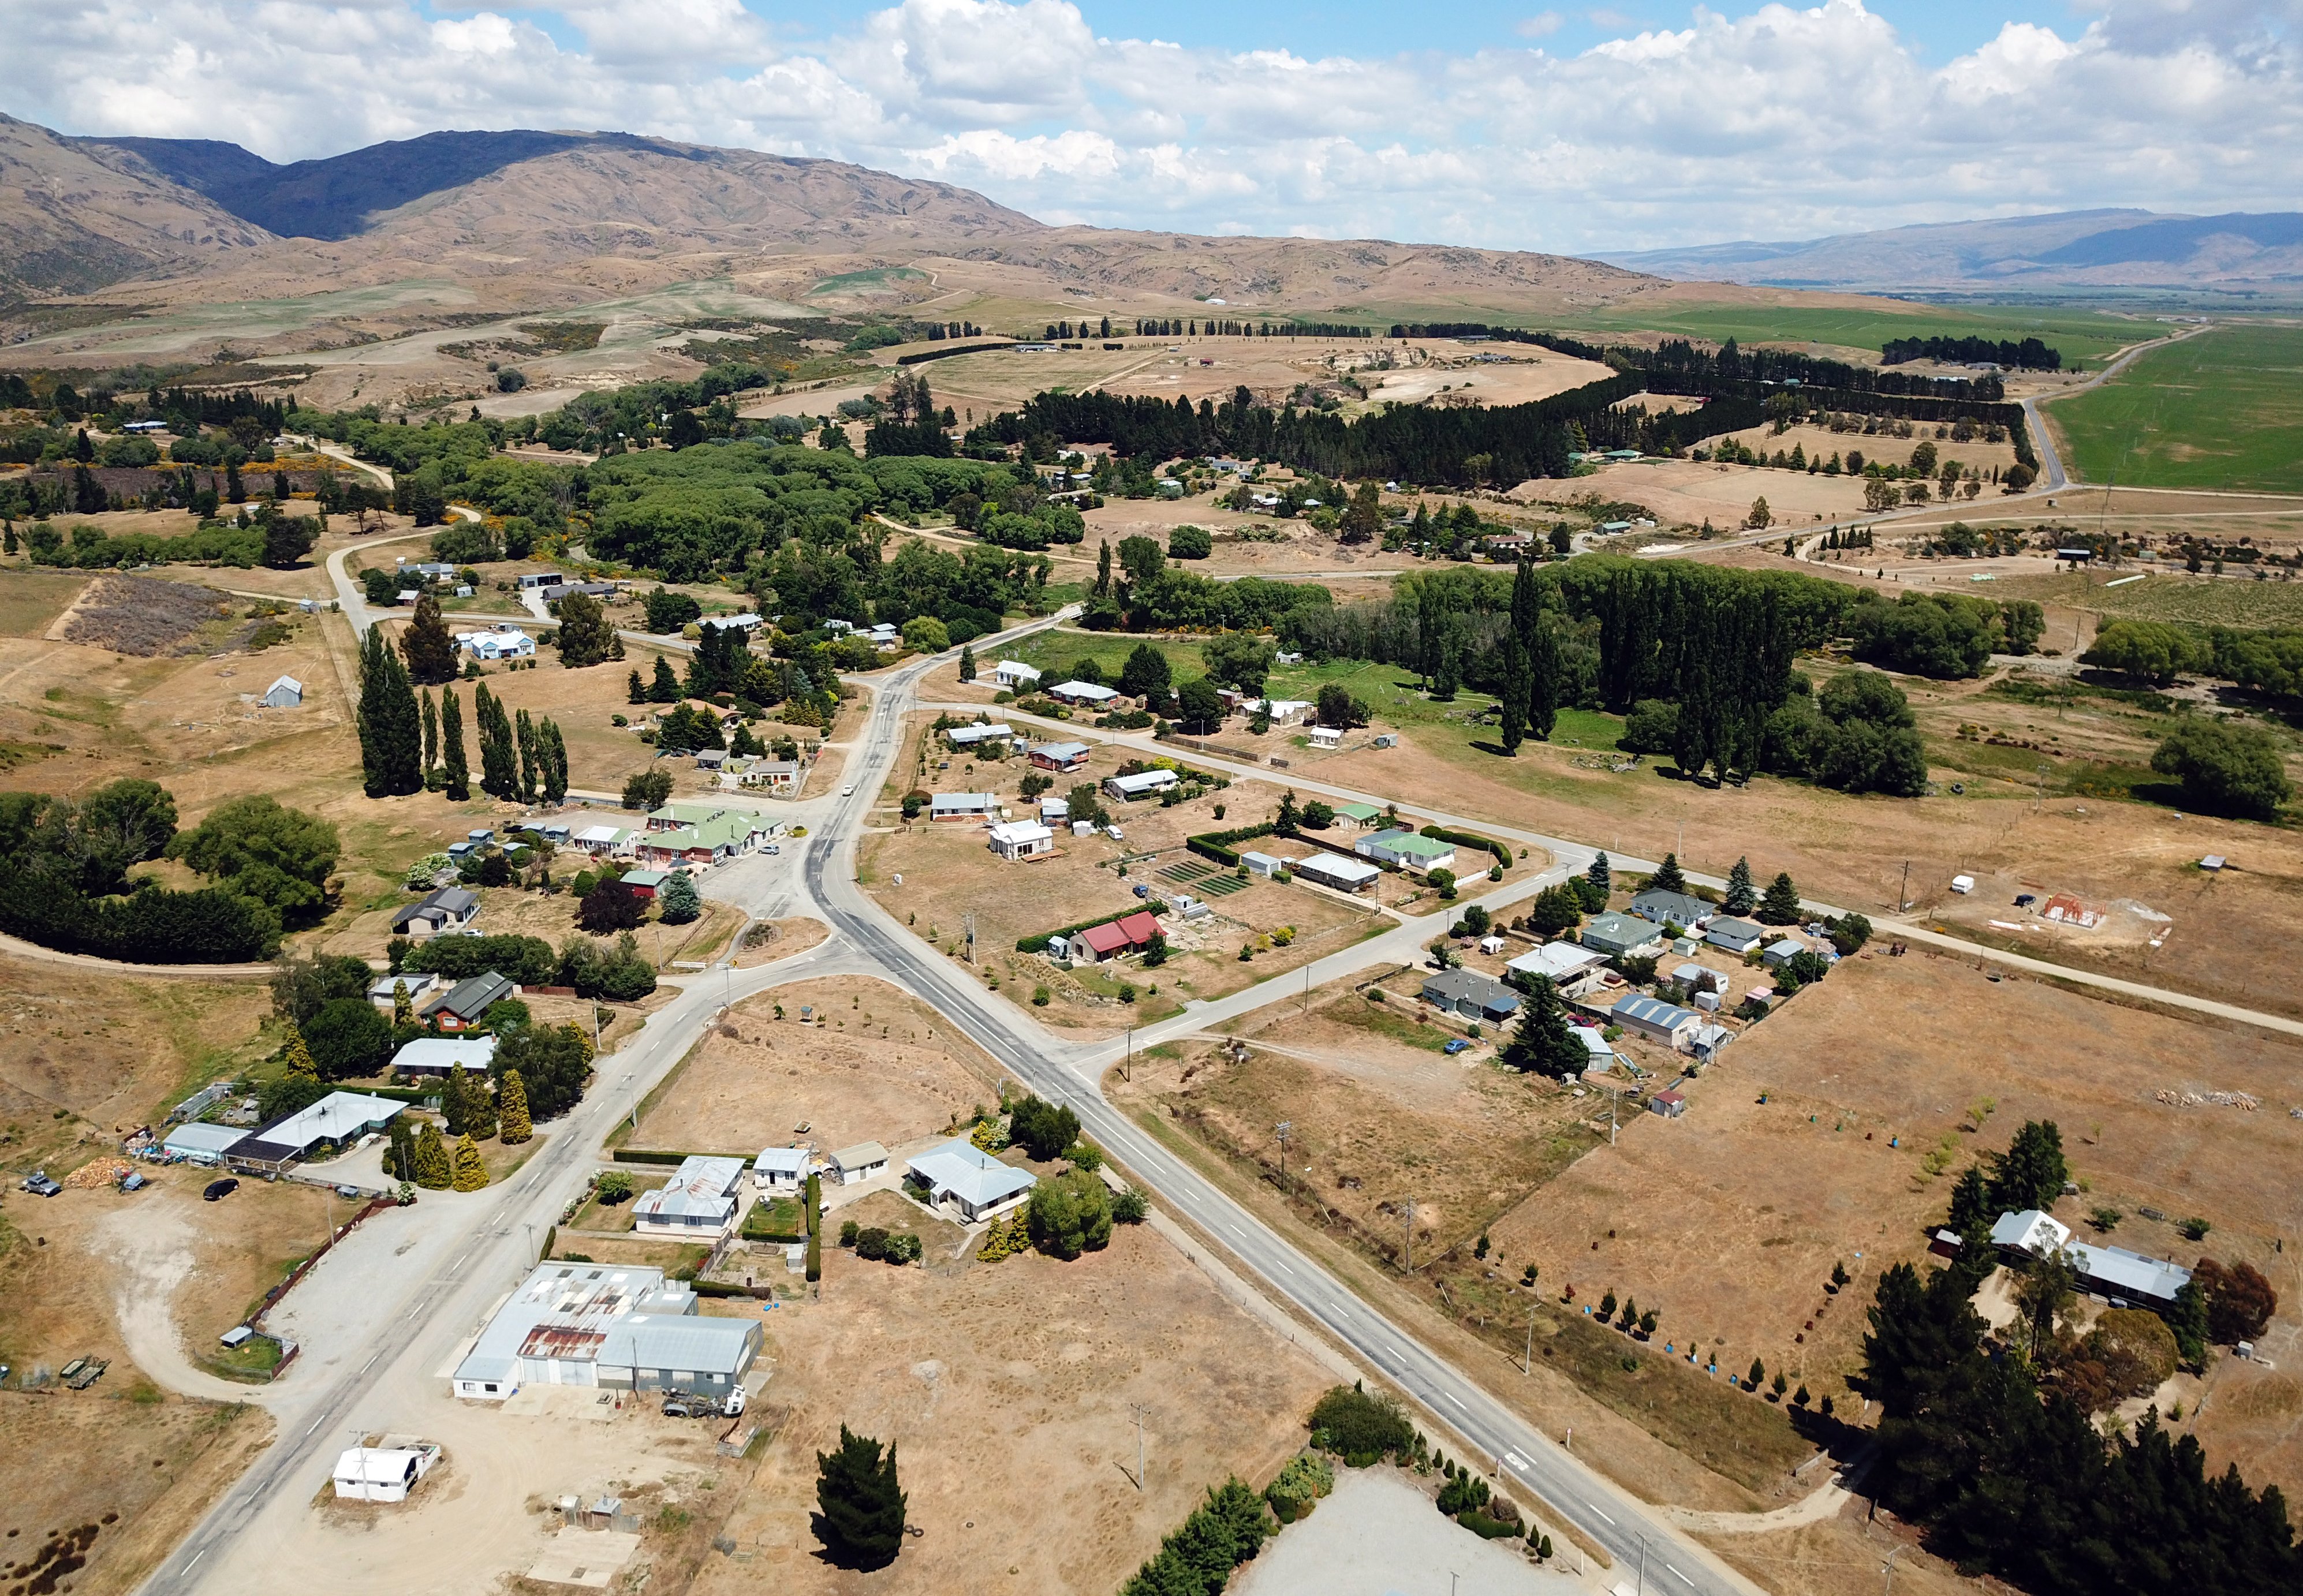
{"points": [[661, 1155], [1217, 844], [1039, 945], [1467, 839]]}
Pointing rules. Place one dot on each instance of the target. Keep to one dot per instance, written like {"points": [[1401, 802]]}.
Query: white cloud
{"points": [[1779, 122]]}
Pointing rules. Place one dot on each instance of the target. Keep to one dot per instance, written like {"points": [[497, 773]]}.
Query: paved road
{"points": [[1066, 1074], [2051, 462]]}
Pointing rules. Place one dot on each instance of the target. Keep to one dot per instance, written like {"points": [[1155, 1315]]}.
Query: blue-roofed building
{"points": [[1657, 1020], [967, 1178]]}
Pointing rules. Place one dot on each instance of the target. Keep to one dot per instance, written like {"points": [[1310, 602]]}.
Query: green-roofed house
{"points": [[705, 841], [1410, 851], [1359, 814], [671, 816]]}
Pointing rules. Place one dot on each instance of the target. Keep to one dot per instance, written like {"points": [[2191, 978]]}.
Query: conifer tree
{"points": [[512, 1105], [431, 737], [530, 777], [1545, 1043], [635, 689], [1668, 877], [587, 635], [1741, 895], [391, 732], [664, 687], [455, 774], [403, 1005], [429, 650], [861, 1520], [431, 1168], [555, 749], [1781, 906], [1601, 874], [498, 758], [1104, 569], [469, 1170], [967, 662]]}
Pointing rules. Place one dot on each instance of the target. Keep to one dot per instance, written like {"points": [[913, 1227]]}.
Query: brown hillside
{"points": [[77, 218]]}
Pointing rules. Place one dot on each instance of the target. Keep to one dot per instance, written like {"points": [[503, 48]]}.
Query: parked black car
{"points": [[217, 1190]]}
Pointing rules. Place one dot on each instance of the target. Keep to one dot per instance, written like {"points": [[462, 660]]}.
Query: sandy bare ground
{"points": [[151, 1253]]}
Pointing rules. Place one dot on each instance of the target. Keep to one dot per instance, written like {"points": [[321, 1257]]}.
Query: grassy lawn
{"points": [[2083, 337], [252, 1362], [2220, 410], [31, 600], [783, 1220], [1056, 651]]}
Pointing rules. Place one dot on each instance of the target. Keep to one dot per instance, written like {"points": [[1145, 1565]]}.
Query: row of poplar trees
{"points": [[409, 743]]}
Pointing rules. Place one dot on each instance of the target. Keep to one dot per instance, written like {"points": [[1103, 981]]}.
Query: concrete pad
{"points": [[587, 1557], [1378, 1535]]}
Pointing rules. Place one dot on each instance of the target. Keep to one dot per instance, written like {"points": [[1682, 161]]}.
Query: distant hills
{"points": [[525, 219], [2070, 249]]}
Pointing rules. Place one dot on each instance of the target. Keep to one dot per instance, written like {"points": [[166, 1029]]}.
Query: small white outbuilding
{"points": [[286, 693], [383, 1473]]}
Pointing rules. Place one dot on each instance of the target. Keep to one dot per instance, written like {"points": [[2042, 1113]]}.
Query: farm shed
{"points": [[382, 1474], [286, 693], [861, 1162], [1657, 1021]]}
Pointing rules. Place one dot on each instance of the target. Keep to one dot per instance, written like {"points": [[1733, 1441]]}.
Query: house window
{"points": [[490, 1388]]}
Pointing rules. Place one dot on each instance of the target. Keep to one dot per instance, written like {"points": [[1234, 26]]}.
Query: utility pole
{"points": [[1903, 896], [2039, 798], [1138, 1406], [1407, 1250], [1528, 1365], [1280, 1131]]}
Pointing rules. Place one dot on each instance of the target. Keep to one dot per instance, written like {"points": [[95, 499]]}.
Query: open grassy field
{"points": [[2166, 596], [2222, 409], [2081, 335]]}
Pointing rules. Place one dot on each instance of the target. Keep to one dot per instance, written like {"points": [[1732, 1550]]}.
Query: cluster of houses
{"points": [[552, 586], [679, 836], [337, 1123], [443, 1005]]}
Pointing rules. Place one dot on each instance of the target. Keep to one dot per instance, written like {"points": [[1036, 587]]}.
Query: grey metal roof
{"points": [[861, 1156], [680, 1341], [969, 1174], [204, 1139], [1679, 908], [575, 1302], [1655, 1012], [473, 996], [1458, 986], [1728, 930]]}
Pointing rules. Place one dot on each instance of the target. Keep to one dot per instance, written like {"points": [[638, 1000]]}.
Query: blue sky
{"points": [[1572, 129]]}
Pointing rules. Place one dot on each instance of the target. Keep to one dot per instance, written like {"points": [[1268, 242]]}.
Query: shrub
{"points": [[1068, 1214], [2225, 769], [1361, 1428]]}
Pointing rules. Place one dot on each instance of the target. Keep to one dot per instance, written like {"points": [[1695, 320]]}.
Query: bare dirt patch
{"points": [[876, 1065], [770, 940], [1008, 1390]]}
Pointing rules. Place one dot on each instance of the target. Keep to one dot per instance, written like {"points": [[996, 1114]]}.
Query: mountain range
{"points": [[2066, 250], [527, 219]]}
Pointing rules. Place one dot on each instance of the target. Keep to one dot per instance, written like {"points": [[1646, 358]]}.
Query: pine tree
{"points": [[587, 637], [1542, 648], [431, 737], [635, 689], [663, 688], [679, 902], [1668, 878], [470, 1171], [861, 1521], [1545, 1043], [1741, 895], [431, 1168], [430, 651], [391, 734], [967, 662], [1601, 874], [1781, 906], [511, 1101], [1971, 1212], [456, 775]]}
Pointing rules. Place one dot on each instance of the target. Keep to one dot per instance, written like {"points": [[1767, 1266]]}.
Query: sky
{"points": [[1645, 124]]}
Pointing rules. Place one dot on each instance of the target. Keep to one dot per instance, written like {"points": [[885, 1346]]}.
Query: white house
{"points": [[383, 991], [1022, 839], [968, 737], [1015, 673], [286, 693], [1324, 737], [698, 1200], [780, 1169], [1283, 712], [383, 1473], [969, 1179], [1336, 870], [606, 842], [1567, 965], [963, 806], [504, 642], [429, 1057], [1142, 784], [1736, 935], [732, 622]]}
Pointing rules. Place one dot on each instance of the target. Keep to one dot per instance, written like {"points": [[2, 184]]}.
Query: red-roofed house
{"points": [[1115, 938]]}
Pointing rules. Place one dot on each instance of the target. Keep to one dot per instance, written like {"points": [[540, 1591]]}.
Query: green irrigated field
{"points": [[2222, 409], [2085, 337]]}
